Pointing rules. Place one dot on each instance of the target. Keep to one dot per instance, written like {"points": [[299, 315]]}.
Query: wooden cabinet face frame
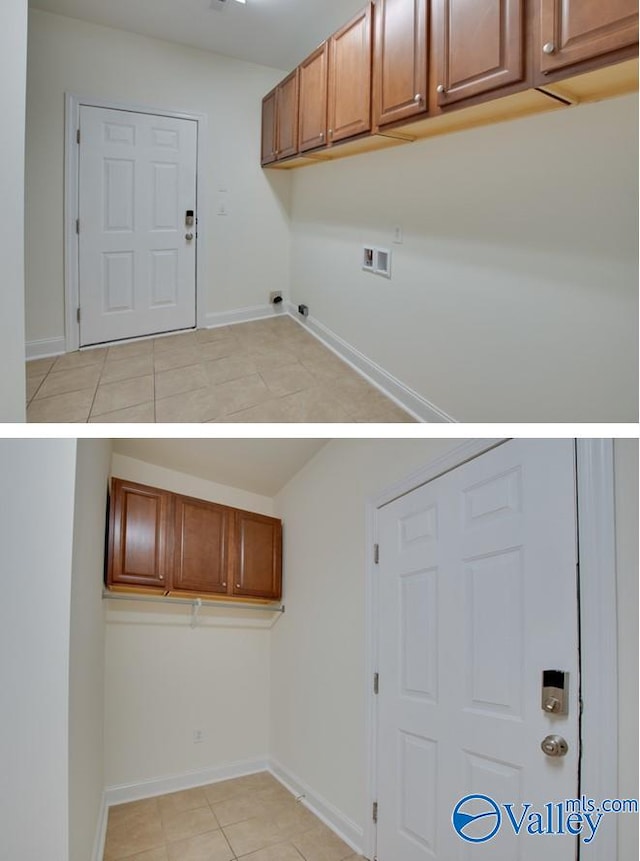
{"points": [[400, 65]]}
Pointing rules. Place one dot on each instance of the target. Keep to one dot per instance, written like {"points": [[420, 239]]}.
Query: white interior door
{"points": [[137, 266], [477, 597]]}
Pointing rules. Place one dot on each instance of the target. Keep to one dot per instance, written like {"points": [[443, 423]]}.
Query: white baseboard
{"points": [[44, 349], [101, 831], [417, 406], [244, 315], [340, 824], [187, 780]]}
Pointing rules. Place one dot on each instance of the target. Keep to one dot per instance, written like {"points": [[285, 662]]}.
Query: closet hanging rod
{"points": [[192, 602]]}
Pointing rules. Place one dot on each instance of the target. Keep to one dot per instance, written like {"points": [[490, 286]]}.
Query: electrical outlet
{"points": [[198, 736], [367, 258]]}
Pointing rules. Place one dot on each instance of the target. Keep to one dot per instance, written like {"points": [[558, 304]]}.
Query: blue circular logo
{"points": [[478, 809]]}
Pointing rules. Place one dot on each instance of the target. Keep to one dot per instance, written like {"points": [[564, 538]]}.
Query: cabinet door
{"points": [[400, 60], [201, 546], [575, 30], [269, 128], [313, 82], [350, 55], [139, 535], [480, 47], [258, 556], [287, 116]]}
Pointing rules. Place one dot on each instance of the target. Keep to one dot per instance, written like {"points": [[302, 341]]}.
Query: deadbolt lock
{"points": [[555, 692], [189, 218]]}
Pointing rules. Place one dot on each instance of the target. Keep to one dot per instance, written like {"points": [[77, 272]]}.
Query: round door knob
{"points": [[440, 88], [554, 745], [188, 236], [549, 48]]}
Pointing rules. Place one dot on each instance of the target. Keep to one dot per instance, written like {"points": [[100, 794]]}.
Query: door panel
{"points": [[201, 546], [400, 66], [287, 116], [481, 47], [258, 564], [138, 540], [477, 595], [576, 30], [313, 99], [137, 181], [269, 128], [350, 55]]}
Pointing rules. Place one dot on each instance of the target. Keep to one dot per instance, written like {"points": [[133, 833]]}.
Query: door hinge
{"points": [[78, 315], [376, 553], [376, 683], [374, 813], [78, 136], [78, 226]]}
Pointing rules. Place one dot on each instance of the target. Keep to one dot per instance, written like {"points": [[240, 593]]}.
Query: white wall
{"points": [[318, 647], [36, 536], [165, 679], [514, 295], [247, 251], [318, 669], [86, 658], [13, 71], [626, 477]]}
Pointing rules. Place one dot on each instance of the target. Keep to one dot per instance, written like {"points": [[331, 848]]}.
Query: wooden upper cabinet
{"points": [[572, 31], [350, 58], [287, 116], [139, 542], [258, 558], [269, 127], [400, 60], [312, 116], [480, 47], [201, 546]]}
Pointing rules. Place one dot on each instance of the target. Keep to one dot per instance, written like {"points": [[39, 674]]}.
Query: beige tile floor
{"points": [[253, 818], [263, 371]]}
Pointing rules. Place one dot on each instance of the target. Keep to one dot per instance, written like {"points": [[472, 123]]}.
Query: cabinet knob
{"points": [[224, 584], [238, 586], [330, 133], [440, 88], [549, 48], [321, 136], [161, 577], [417, 98]]}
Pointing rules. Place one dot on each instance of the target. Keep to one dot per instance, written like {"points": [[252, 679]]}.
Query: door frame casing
{"points": [[597, 610], [73, 103]]}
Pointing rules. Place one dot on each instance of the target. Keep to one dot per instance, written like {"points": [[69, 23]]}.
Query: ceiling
{"points": [[261, 466], [278, 33]]}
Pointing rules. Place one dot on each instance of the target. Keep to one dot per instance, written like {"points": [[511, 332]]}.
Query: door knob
{"points": [[554, 745], [188, 236], [549, 48]]}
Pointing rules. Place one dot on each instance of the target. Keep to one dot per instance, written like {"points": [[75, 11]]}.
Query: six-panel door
{"points": [[201, 546], [400, 60], [258, 556], [139, 536], [480, 45], [575, 30], [137, 255]]}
